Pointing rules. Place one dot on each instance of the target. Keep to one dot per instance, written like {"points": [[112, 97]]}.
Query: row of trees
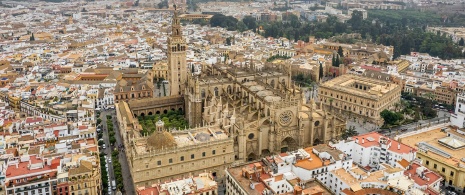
{"points": [[403, 29], [275, 57], [114, 155]]}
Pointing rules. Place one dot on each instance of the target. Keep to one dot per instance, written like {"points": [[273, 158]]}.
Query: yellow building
{"points": [[441, 150], [85, 178], [169, 154], [359, 96], [402, 65]]}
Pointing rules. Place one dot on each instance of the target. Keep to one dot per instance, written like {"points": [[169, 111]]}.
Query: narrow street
{"points": [[129, 188]]}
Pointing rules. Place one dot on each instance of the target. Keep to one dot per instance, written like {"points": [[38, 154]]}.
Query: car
{"points": [[101, 139], [103, 146], [109, 160]]}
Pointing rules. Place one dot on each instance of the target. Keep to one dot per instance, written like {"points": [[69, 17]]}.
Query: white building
{"points": [[273, 175], [372, 149], [457, 118]]}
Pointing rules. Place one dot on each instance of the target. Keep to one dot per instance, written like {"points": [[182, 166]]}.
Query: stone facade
{"points": [[359, 96], [176, 57], [236, 112]]}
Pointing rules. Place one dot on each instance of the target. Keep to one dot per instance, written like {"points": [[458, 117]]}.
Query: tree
{"points": [[320, 75], [32, 37], [461, 42], [340, 51], [349, 133], [333, 61], [163, 4], [228, 41], [250, 22], [356, 20], [390, 118], [338, 61], [241, 27]]}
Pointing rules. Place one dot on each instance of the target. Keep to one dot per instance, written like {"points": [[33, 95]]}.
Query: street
{"points": [[107, 150], [127, 177], [362, 128]]}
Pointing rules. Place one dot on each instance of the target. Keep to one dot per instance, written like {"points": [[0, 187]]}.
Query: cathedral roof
{"points": [[159, 140]]}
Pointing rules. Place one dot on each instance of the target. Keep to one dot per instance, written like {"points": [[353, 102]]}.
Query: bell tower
{"points": [[177, 75]]}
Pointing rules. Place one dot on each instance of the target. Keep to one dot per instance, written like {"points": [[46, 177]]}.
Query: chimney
{"points": [[398, 146], [363, 140]]}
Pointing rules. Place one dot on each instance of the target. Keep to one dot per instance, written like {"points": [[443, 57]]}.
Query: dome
{"points": [[159, 140], [159, 123]]}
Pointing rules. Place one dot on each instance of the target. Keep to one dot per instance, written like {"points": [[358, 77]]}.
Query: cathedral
{"points": [[237, 112]]}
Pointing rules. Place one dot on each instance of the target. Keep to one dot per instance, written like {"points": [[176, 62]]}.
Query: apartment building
{"points": [[298, 172], [204, 183], [441, 150], [370, 150]]}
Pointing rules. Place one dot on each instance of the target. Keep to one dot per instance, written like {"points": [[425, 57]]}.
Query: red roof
{"points": [[55, 163], [363, 140], [412, 173], [371, 68], [23, 169], [33, 119]]}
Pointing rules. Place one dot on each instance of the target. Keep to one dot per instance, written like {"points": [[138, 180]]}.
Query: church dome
{"points": [[159, 140]]}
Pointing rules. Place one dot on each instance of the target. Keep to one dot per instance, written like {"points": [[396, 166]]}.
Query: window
{"points": [[443, 170], [435, 166], [203, 154], [213, 152], [427, 162], [159, 162], [182, 158], [192, 156], [451, 173], [170, 160]]}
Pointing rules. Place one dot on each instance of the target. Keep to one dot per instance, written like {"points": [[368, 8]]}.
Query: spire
{"points": [[175, 24]]}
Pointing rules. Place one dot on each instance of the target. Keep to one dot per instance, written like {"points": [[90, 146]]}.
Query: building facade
{"points": [[241, 112], [359, 96], [458, 117], [167, 155], [177, 65], [204, 183], [126, 90], [441, 149], [370, 150], [296, 172]]}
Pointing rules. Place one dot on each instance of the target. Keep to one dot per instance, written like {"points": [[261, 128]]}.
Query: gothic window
{"points": [[203, 93], [179, 49], [216, 91]]}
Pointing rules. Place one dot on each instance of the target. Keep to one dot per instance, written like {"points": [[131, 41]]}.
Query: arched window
{"points": [[203, 93]]}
